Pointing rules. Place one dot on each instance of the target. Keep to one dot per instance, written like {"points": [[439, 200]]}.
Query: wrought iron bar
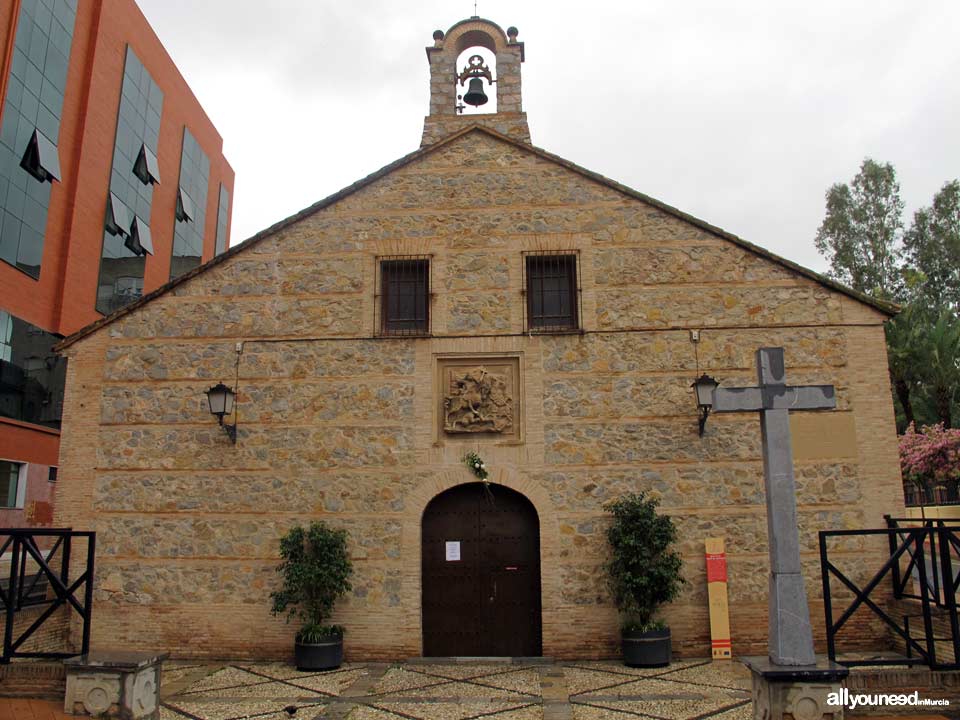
{"points": [[88, 595], [23, 547], [827, 602], [949, 583], [922, 541]]}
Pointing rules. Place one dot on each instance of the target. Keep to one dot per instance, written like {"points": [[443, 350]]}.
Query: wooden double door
{"points": [[481, 574]]}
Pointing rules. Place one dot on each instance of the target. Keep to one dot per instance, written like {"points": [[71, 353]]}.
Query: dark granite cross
{"points": [[791, 638]]}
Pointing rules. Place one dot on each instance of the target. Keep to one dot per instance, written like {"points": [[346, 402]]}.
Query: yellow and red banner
{"points": [[720, 643]]}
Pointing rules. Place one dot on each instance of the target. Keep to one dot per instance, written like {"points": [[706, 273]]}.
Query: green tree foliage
{"points": [[861, 234], [923, 351], [933, 250], [644, 569], [903, 357], [941, 368], [316, 570]]}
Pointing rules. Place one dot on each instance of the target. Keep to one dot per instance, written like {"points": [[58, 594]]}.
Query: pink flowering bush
{"points": [[930, 457]]}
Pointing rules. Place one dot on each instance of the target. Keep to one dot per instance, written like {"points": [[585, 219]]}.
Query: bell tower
{"points": [[454, 89]]}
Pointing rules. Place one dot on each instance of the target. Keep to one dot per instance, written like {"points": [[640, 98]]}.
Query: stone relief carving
{"points": [[478, 401]]}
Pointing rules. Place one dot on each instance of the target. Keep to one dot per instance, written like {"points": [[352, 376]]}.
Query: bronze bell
{"points": [[475, 95]]}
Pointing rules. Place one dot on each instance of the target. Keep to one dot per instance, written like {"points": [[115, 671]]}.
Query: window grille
{"points": [[552, 289], [402, 303]]}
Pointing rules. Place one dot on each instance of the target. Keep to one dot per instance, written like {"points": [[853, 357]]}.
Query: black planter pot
{"points": [[649, 649], [325, 655]]}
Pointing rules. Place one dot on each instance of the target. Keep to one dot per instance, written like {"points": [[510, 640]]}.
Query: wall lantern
{"points": [[222, 399], [704, 387]]}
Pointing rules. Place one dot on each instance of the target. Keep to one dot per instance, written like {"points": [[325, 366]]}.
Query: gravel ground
{"points": [[726, 675], [227, 710], [621, 669], [224, 678], [689, 690], [629, 711], [175, 672], [449, 711], [476, 681]]}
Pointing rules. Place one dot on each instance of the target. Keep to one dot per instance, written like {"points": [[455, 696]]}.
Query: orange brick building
{"points": [[112, 181]]}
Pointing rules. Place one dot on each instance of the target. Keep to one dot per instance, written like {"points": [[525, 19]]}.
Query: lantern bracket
{"points": [[230, 430], [222, 400]]}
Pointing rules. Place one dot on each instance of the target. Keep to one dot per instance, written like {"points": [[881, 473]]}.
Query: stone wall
{"points": [[336, 423]]}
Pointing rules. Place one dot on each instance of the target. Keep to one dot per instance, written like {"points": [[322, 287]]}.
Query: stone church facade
{"points": [[378, 336]]}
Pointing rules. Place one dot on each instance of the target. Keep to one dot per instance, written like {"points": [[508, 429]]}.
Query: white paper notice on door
{"points": [[453, 550]]}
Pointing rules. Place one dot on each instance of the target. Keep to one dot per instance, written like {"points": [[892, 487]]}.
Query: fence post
{"points": [[895, 570], [934, 565], [65, 561], [12, 592], [827, 602], [919, 536], [88, 594], [947, 581]]}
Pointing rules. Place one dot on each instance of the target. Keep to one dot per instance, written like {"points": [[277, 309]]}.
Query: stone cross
{"points": [[791, 638]]}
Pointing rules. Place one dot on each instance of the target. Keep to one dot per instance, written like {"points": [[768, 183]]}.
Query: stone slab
{"points": [[123, 685], [822, 669], [115, 660]]}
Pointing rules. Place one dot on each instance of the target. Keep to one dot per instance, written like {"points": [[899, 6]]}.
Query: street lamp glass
{"points": [[705, 385], [221, 400]]}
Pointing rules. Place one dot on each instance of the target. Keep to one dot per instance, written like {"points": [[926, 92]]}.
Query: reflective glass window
{"points": [[126, 234], [32, 376], [223, 216], [9, 483], [191, 209], [30, 127]]}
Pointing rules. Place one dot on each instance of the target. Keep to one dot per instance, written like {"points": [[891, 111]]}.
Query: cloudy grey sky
{"points": [[741, 113]]}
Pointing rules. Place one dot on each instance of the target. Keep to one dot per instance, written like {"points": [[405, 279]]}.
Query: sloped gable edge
{"points": [[889, 309]]}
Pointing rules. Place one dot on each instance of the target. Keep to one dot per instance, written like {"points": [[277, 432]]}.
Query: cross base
{"points": [[795, 693]]}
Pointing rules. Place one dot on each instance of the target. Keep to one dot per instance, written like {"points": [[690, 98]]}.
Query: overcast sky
{"points": [[741, 113]]}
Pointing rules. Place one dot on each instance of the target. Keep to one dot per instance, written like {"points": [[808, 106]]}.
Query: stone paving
{"points": [[421, 690]]}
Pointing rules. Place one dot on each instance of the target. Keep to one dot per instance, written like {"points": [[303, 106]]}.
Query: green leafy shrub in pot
{"points": [[316, 569], [643, 571]]}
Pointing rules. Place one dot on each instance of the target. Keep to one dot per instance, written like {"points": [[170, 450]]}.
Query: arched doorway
{"points": [[481, 574]]}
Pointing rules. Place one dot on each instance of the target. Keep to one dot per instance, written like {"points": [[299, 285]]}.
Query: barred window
{"points": [[552, 292], [404, 295]]}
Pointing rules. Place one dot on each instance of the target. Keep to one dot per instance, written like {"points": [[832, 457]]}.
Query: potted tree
{"points": [[643, 573], [316, 572]]}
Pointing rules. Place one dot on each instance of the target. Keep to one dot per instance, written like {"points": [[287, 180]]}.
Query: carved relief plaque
{"points": [[479, 397], [477, 400]]}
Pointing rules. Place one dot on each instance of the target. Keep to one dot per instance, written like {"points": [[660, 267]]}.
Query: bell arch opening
{"points": [[481, 588], [473, 76]]}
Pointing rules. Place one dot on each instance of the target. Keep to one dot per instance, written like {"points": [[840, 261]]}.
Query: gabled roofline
{"points": [[889, 309]]}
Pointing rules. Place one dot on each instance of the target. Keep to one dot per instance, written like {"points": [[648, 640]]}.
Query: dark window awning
{"points": [[139, 241], [41, 158], [146, 167], [118, 217], [184, 206]]}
